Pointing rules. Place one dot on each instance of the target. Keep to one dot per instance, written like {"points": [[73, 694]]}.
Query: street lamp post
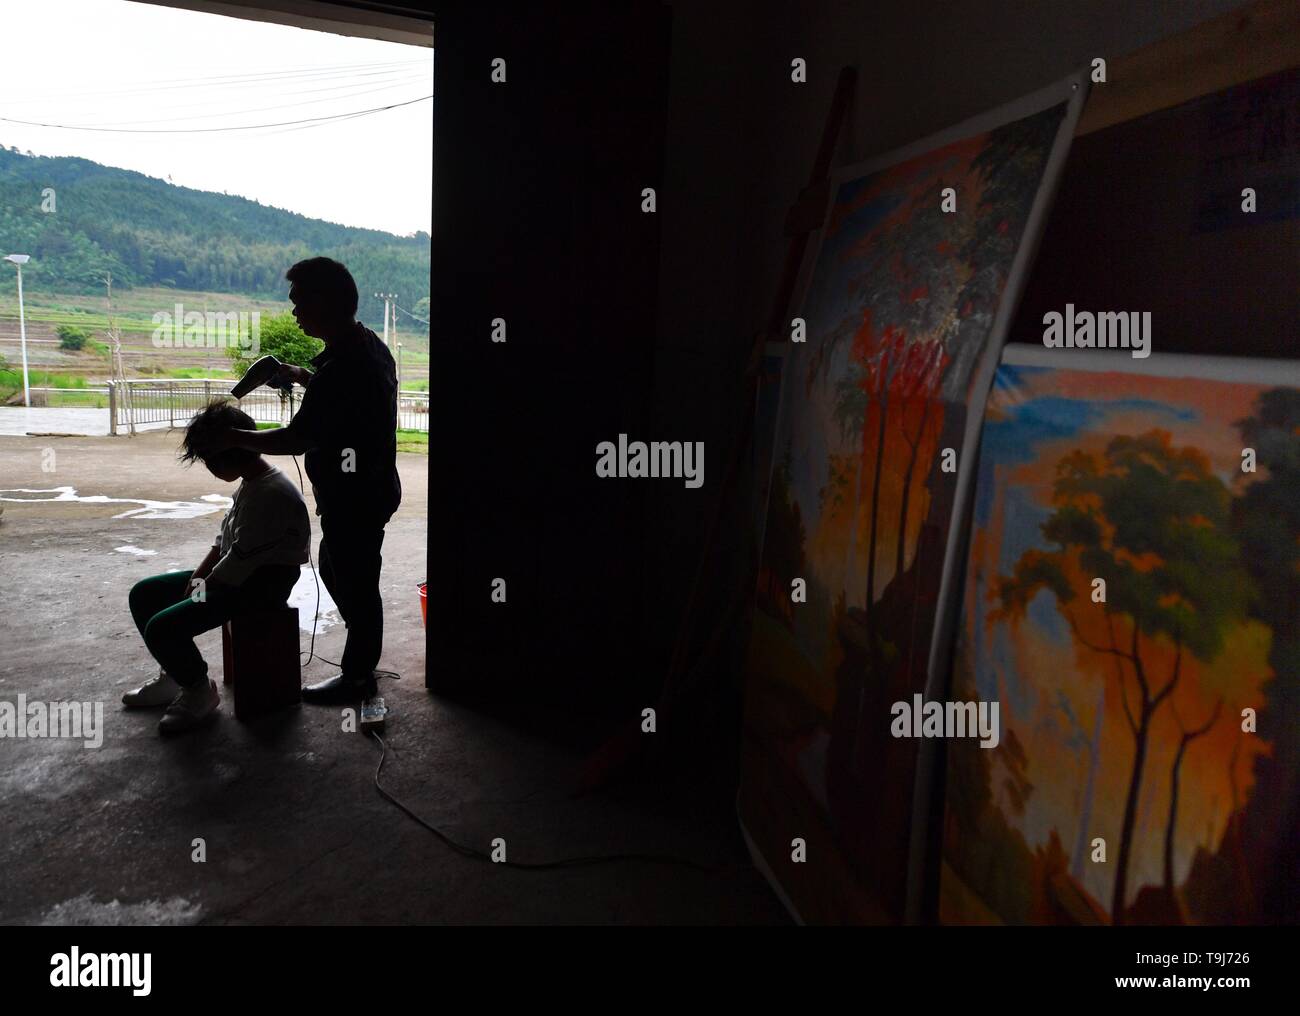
{"points": [[18, 261]]}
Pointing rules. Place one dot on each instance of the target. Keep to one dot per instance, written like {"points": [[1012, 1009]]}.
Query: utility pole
{"points": [[116, 338], [388, 299]]}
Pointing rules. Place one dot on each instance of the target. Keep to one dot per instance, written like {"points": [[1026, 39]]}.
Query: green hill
{"points": [[151, 233]]}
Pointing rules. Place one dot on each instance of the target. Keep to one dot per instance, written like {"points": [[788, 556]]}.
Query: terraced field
{"points": [[134, 310]]}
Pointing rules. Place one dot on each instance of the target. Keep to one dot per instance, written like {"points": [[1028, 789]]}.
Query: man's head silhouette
{"points": [[324, 297]]}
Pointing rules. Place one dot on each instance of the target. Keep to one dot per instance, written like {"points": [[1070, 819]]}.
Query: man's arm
{"points": [[301, 435], [280, 441]]}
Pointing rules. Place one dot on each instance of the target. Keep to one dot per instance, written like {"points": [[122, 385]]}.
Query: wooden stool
{"points": [[260, 653]]}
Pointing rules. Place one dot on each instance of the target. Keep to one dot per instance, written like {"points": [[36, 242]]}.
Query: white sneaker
{"points": [[190, 708], [158, 692]]}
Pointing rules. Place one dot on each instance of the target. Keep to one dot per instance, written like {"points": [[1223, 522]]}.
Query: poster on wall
{"points": [[1132, 601], [1254, 129], [917, 268]]}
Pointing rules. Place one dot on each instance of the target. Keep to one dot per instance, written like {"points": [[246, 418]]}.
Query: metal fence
{"points": [[413, 411], [40, 394], [157, 403]]}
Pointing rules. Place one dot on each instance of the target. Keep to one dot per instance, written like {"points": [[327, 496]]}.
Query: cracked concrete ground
{"points": [[294, 829]]}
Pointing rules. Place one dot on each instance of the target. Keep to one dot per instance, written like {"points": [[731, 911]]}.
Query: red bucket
{"points": [[424, 604]]}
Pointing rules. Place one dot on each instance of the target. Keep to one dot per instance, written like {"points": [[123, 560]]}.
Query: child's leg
{"points": [[149, 596], [170, 633]]}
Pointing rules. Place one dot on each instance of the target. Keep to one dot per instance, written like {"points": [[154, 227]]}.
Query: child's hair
{"points": [[218, 415]]}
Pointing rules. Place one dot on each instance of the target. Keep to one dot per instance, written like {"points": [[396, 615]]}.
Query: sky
{"points": [[114, 63]]}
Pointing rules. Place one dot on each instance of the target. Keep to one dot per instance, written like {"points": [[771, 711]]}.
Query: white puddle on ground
{"points": [[128, 549], [304, 598], [304, 591], [208, 504], [85, 910]]}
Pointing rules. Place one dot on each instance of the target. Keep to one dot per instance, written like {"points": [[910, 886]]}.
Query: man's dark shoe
{"points": [[338, 689]]}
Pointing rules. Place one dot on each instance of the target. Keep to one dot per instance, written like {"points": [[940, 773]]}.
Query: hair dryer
{"points": [[260, 373]]}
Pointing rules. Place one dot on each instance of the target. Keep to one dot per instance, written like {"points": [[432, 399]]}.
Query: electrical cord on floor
{"points": [[567, 862], [460, 848], [315, 617]]}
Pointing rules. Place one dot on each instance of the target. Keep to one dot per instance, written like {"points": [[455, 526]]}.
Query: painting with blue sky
{"points": [[1131, 602], [901, 306]]}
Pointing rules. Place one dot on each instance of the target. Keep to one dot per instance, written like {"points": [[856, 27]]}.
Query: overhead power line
{"points": [[187, 106], [213, 130], [253, 79], [266, 109], [410, 315], [232, 106]]}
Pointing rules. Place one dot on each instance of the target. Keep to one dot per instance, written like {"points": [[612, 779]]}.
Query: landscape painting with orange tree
{"points": [[903, 298], [1132, 602]]}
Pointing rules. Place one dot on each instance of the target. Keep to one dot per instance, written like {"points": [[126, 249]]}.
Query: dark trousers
{"points": [[168, 619], [350, 562]]}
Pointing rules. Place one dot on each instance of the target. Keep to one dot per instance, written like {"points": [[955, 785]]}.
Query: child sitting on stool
{"points": [[252, 566]]}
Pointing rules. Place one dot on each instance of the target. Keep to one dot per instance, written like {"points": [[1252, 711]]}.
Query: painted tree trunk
{"points": [[1130, 817], [875, 507], [1173, 814], [900, 553], [853, 527]]}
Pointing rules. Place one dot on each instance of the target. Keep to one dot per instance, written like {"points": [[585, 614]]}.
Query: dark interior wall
{"points": [[538, 221], [741, 141], [1157, 203]]}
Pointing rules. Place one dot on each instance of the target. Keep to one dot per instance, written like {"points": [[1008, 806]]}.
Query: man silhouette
{"points": [[347, 428]]}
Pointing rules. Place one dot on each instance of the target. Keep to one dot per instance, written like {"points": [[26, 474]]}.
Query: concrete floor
{"points": [[294, 829]]}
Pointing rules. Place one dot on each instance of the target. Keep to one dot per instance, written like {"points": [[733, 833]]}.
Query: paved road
{"points": [[16, 421]]}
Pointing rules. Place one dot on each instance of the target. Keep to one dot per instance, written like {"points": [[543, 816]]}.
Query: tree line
{"points": [[79, 220]]}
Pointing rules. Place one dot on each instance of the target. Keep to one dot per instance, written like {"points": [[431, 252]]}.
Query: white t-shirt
{"points": [[266, 524]]}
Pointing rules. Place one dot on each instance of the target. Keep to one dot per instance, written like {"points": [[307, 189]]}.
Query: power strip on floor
{"points": [[373, 714]]}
